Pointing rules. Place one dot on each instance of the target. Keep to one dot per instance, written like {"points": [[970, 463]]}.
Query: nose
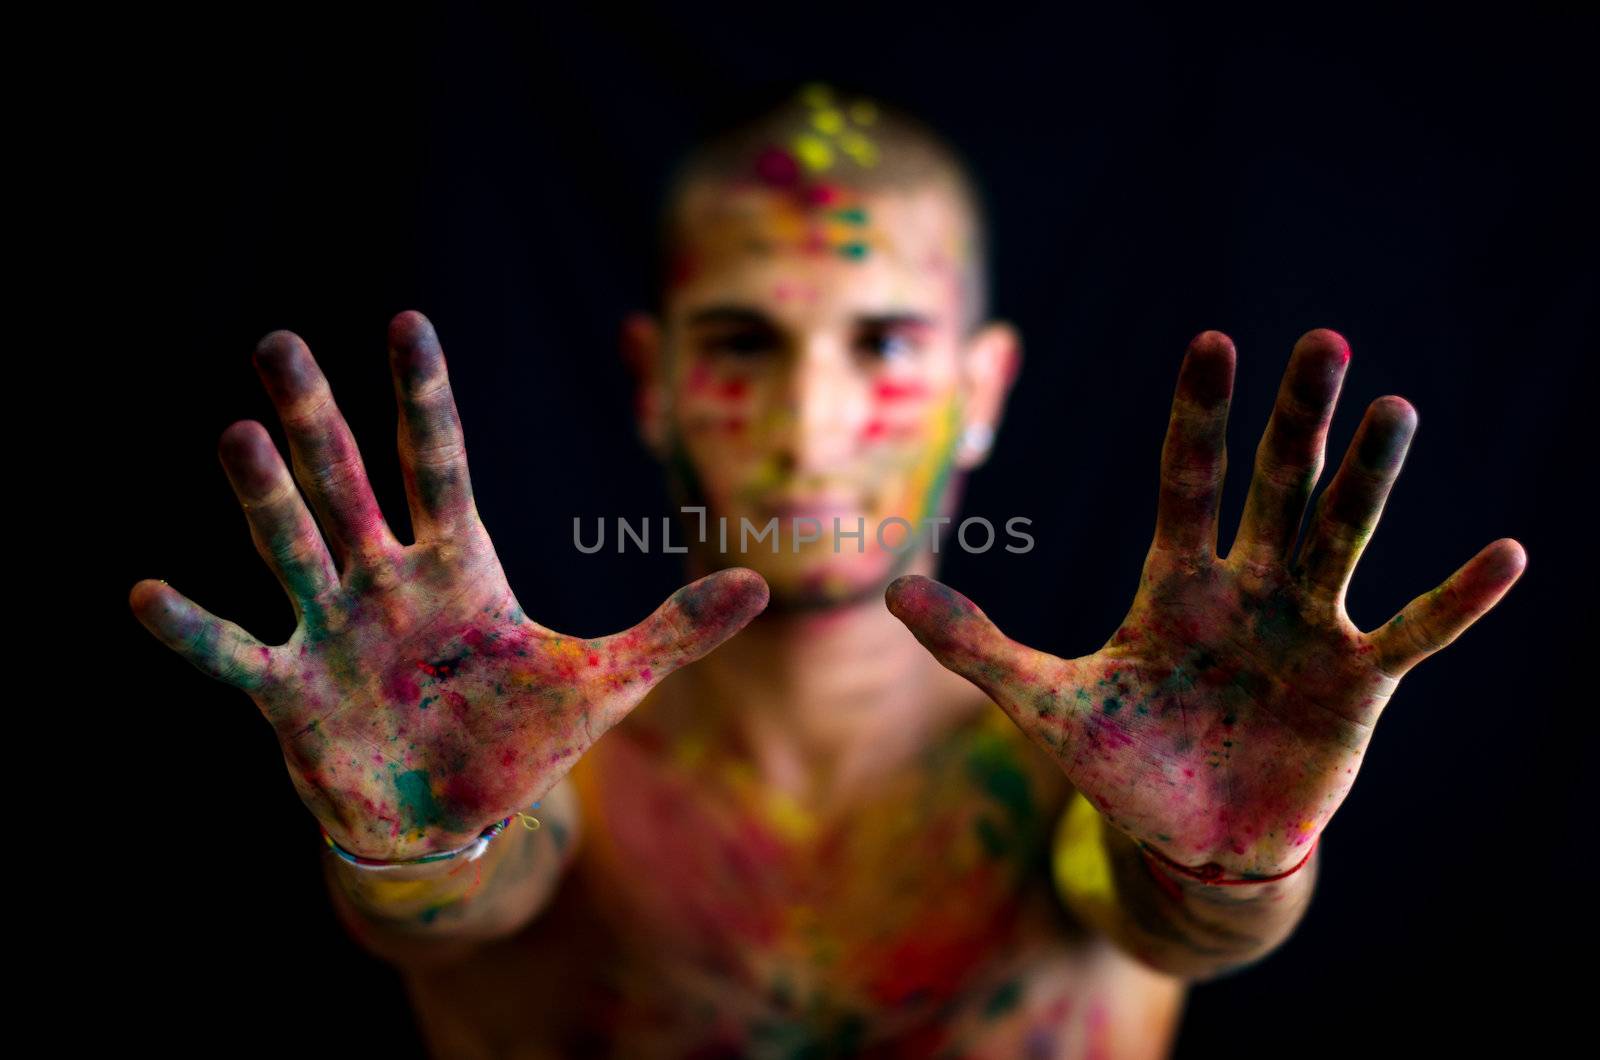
{"points": [[823, 410]]}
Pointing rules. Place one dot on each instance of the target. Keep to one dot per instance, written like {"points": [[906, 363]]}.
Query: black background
{"points": [[1418, 182]]}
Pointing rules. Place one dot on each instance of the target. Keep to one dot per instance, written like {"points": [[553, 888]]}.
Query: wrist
{"points": [[1214, 874]]}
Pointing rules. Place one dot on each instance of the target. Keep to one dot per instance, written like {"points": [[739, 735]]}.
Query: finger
{"points": [[1022, 681], [285, 534], [1348, 510], [1289, 458], [1439, 616], [687, 626], [327, 462], [1194, 457], [433, 455], [215, 646]]}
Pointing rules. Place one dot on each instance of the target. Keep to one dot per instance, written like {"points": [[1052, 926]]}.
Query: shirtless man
{"points": [[823, 838]]}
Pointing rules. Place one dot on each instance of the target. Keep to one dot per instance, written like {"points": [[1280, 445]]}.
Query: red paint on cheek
{"points": [[699, 377], [777, 167], [733, 389], [874, 430], [888, 390], [823, 195]]}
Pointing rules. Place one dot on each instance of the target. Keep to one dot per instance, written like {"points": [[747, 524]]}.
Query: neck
{"points": [[820, 699]]}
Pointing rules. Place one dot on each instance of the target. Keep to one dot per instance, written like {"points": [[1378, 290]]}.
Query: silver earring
{"points": [[977, 438]]}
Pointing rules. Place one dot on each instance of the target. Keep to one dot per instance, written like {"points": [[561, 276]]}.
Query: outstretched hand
{"points": [[1225, 720], [415, 702]]}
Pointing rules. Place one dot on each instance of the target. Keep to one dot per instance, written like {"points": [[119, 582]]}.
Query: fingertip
{"points": [[241, 437], [899, 591], [1208, 366], [285, 365], [275, 349], [143, 594], [157, 606], [724, 601], [1395, 407], [409, 329], [1511, 559], [1331, 345], [248, 456], [747, 583]]}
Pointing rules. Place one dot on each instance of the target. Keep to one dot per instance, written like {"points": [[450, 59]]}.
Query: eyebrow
{"points": [[738, 314]]}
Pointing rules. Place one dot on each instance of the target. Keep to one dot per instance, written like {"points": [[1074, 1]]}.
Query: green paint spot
{"points": [[853, 251], [1111, 705], [426, 700], [417, 803], [1004, 999], [992, 763], [989, 835], [854, 215]]}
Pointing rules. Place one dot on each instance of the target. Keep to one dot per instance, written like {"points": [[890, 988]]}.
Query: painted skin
{"points": [[1225, 720], [415, 702], [889, 895], [721, 907]]}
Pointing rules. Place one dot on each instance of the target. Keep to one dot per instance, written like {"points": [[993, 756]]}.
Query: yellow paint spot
{"points": [[792, 820], [690, 750], [828, 121], [1079, 860], [858, 147], [399, 890], [813, 151]]}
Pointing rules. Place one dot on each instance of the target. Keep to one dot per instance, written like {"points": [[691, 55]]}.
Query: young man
{"points": [[821, 839]]}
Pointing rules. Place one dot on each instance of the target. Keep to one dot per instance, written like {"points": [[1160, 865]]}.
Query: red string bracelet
{"points": [[1211, 872]]}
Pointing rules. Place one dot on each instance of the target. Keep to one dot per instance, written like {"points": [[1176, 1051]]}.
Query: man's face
{"points": [[812, 366]]}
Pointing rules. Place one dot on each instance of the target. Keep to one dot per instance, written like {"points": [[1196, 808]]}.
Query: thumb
{"points": [[690, 623], [1021, 681]]}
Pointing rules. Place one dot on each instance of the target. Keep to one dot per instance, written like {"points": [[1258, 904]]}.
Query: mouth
{"points": [[824, 509]]}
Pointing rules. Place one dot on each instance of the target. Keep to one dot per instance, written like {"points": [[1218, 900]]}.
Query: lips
{"points": [[823, 509]]}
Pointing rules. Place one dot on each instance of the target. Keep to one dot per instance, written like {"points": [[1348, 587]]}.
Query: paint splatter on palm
{"points": [[1225, 720], [415, 702]]}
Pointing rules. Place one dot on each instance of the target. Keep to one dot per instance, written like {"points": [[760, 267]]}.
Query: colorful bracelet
{"points": [[1211, 872], [474, 850]]}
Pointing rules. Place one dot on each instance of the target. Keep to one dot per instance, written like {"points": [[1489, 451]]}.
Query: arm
{"points": [[416, 703], [1168, 921], [1224, 722], [437, 913]]}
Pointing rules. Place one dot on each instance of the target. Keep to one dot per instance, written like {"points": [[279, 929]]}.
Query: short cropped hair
{"points": [[861, 142]]}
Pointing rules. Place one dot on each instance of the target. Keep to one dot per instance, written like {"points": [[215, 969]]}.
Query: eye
{"points": [[886, 345], [744, 343]]}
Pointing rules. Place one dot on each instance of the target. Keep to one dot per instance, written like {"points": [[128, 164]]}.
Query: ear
{"points": [[990, 361], [641, 351]]}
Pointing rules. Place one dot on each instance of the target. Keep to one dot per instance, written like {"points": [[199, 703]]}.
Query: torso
{"points": [[709, 915]]}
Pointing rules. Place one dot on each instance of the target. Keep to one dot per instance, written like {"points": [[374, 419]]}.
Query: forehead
{"points": [[826, 244]]}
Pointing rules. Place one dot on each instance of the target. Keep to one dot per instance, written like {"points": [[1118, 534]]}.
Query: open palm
{"points": [[1225, 720], [415, 702]]}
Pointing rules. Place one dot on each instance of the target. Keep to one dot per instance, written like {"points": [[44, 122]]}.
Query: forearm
{"points": [[435, 913], [1177, 925]]}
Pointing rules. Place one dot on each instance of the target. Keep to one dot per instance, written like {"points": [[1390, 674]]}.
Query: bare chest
{"points": [[718, 890]]}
